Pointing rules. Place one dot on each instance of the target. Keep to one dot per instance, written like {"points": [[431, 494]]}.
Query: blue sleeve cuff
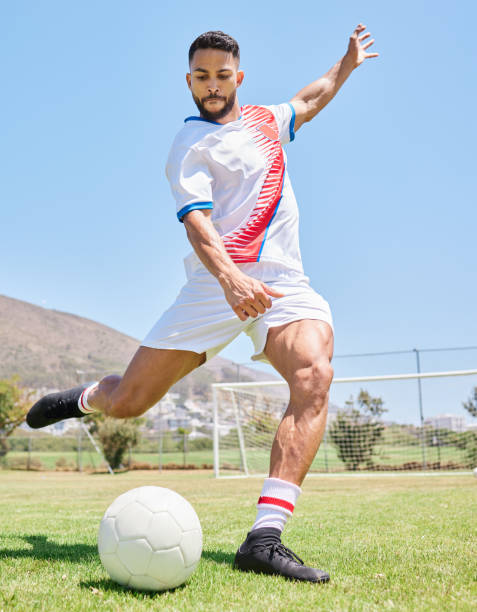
{"points": [[195, 206], [292, 122]]}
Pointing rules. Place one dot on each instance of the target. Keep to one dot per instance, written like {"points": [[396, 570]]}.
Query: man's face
{"points": [[213, 80]]}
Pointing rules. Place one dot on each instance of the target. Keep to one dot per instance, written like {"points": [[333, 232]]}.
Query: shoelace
{"points": [[280, 549]]}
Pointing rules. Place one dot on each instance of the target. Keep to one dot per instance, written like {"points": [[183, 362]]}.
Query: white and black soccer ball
{"points": [[150, 538]]}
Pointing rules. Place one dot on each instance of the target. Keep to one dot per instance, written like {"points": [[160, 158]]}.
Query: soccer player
{"points": [[227, 171]]}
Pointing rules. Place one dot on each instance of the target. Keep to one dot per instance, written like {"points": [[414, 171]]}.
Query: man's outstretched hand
{"points": [[356, 53], [247, 296]]}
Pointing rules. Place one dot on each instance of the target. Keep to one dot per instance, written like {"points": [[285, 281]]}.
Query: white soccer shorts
{"points": [[201, 320]]}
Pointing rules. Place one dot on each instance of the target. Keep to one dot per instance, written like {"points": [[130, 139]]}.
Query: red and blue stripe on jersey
{"points": [[245, 244]]}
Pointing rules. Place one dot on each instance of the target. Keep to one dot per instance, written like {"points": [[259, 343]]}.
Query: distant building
{"points": [[165, 406], [453, 422]]}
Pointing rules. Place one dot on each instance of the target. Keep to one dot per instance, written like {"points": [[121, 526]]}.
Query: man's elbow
{"points": [[312, 106]]}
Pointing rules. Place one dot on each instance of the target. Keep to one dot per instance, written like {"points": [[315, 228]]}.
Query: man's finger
{"points": [[368, 44], [265, 301], [365, 36], [241, 314], [250, 310], [259, 306], [273, 292]]}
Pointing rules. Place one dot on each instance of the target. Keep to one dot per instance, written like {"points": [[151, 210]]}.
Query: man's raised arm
{"points": [[311, 99]]}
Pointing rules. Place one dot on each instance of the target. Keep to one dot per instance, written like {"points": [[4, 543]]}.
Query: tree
{"points": [[115, 435], [14, 404], [471, 436], [183, 444], [356, 430], [471, 404]]}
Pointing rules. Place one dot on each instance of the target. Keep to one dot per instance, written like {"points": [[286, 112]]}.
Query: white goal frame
{"points": [[232, 386]]}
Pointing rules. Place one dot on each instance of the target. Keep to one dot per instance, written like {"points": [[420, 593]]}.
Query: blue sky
{"points": [[93, 94]]}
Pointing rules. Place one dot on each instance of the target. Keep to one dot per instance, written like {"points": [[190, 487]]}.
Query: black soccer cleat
{"points": [[56, 407], [263, 553]]}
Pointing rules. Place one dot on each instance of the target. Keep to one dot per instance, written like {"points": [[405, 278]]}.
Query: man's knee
{"points": [[312, 383]]}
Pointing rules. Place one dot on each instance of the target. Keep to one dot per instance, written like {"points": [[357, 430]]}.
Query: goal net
{"points": [[398, 422]]}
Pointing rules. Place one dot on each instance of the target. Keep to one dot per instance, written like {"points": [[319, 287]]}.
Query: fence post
{"points": [[160, 444], [421, 412], [185, 447], [216, 431], [29, 454], [438, 442], [79, 439], [325, 449]]}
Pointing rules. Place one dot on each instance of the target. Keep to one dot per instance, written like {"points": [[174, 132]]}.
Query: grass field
{"points": [[400, 543]]}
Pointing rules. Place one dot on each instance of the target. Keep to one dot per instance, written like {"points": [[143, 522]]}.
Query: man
{"points": [[227, 171]]}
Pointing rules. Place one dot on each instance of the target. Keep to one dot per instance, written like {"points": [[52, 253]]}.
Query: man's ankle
{"points": [[276, 503]]}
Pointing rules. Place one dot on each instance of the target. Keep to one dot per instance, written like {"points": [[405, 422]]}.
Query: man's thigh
{"points": [[298, 345], [152, 372]]}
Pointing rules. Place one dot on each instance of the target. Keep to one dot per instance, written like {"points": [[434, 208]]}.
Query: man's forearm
{"points": [[246, 296], [209, 247], [316, 95]]}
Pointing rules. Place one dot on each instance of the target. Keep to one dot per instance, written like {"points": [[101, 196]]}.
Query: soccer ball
{"points": [[150, 539]]}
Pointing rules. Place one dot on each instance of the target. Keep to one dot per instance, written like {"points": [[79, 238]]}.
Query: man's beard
{"points": [[215, 116]]}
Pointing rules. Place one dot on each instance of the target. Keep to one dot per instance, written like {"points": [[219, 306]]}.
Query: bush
{"points": [[200, 444], [470, 438], [14, 404], [356, 431], [62, 465], [142, 465], [4, 446], [22, 463], [44, 443], [116, 437]]}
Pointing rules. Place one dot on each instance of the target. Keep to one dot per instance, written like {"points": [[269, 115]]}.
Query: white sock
{"points": [[276, 503], [83, 400]]}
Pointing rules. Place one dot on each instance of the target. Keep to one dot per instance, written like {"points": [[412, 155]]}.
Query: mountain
{"points": [[53, 349]]}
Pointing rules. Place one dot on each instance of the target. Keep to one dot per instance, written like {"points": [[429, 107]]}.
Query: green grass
{"points": [[400, 543]]}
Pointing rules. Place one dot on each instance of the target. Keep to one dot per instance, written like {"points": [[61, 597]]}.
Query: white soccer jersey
{"points": [[238, 170]]}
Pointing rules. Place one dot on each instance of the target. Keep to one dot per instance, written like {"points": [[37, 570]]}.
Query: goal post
{"points": [[358, 436]]}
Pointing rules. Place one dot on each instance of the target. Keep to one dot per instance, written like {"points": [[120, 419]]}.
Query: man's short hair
{"points": [[215, 40]]}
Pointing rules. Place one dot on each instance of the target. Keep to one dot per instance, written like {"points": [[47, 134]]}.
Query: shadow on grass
{"points": [[47, 550], [109, 586], [218, 556], [43, 548]]}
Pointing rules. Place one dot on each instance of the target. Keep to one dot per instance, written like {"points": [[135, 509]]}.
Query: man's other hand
{"points": [[247, 296]]}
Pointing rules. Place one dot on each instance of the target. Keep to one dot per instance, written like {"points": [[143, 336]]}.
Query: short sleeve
{"points": [[285, 117], [190, 180]]}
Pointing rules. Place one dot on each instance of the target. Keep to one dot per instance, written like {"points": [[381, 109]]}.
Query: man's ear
{"points": [[240, 77], [188, 79]]}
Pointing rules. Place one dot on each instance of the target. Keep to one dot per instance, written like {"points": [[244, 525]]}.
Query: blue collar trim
{"points": [[192, 118], [200, 119]]}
